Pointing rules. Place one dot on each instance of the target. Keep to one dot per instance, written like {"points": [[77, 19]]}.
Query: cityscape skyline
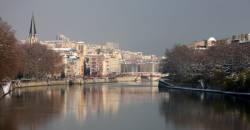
{"points": [[135, 25], [124, 64]]}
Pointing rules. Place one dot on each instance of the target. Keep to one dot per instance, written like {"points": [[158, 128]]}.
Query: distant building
{"points": [[210, 42], [86, 59], [242, 38], [72, 66], [149, 67], [33, 37], [111, 65], [102, 65], [95, 64], [198, 45], [73, 53], [235, 39], [223, 41], [112, 45], [204, 44], [129, 68]]}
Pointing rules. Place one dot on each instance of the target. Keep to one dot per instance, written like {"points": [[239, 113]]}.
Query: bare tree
{"points": [[225, 65], [180, 61], [39, 62], [9, 52]]}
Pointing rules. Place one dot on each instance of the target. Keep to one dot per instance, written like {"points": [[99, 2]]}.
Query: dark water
{"points": [[120, 106]]}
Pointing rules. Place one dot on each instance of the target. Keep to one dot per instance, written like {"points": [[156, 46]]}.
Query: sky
{"points": [[149, 26]]}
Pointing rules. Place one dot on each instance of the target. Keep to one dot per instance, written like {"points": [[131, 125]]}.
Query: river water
{"points": [[120, 106]]}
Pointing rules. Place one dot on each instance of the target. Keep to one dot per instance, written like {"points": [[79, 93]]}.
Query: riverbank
{"points": [[78, 81], [235, 82], [166, 86], [24, 84]]}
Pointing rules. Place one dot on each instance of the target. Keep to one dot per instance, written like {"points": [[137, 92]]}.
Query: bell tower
{"points": [[33, 37]]}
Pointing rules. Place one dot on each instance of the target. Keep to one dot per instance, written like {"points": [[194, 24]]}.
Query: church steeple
{"points": [[32, 38]]}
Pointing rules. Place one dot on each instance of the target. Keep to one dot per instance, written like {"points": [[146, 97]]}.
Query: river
{"points": [[120, 106]]}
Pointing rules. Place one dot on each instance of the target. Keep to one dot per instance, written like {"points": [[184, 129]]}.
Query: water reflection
{"points": [[104, 99], [29, 108], [196, 111], [120, 106], [32, 108]]}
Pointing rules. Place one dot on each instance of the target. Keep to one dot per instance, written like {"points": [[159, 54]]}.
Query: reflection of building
{"points": [[87, 101], [63, 103]]}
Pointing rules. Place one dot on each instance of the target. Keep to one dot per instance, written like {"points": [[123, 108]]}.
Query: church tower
{"points": [[33, 37]]}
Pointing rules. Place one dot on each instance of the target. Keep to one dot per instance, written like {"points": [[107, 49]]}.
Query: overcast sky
{"points": [[149, 26]]}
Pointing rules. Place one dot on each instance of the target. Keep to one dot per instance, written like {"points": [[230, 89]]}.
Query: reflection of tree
{"points": [[30, 109], [210, 113], [36, 107]]}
